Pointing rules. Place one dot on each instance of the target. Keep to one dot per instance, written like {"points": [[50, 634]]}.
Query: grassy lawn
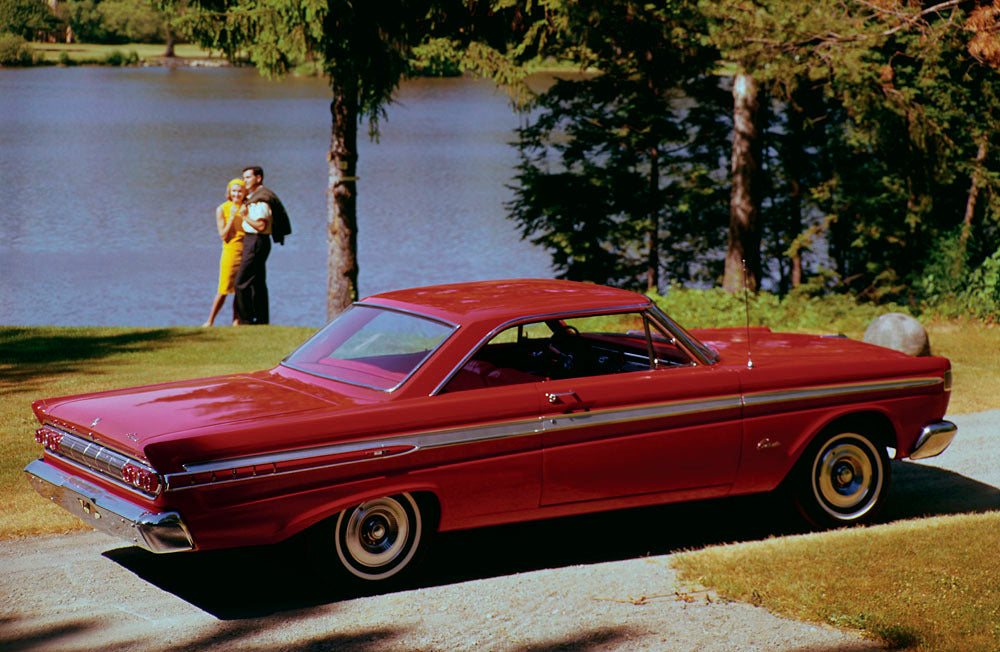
{"points": [[84, 53], [928, 584]]}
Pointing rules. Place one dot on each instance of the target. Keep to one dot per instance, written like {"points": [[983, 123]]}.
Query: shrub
{"points": [[118, 58], [981, 296], [796, 311], [14, 50]]}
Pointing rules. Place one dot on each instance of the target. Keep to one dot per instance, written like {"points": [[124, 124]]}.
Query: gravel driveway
{"points": [[591, 583]]}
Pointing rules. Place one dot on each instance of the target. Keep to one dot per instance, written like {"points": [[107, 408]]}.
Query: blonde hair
{"points": [[234, 182]]}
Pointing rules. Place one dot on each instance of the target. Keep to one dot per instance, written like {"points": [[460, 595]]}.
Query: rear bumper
{"points": [[933, 439], [156, 532]]}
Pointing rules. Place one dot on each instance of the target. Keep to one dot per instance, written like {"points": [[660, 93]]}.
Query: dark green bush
{"points": [[14, 50], [119, 58]]}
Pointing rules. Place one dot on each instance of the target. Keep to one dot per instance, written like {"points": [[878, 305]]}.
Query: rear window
{"points": [[370, 346]]}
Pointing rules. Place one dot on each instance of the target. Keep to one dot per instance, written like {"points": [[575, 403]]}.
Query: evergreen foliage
{"points": [[28, 19], [880, 172], [613, 179], [618, 175]]}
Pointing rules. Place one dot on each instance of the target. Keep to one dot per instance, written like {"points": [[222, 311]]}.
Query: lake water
{"points": [[109, 179]]}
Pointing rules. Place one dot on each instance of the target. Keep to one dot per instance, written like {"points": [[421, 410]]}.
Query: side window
{"points": [[569, 348], [512, 356]]}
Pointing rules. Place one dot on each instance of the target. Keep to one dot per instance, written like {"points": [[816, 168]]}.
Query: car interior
{"points": [[559, 349]]}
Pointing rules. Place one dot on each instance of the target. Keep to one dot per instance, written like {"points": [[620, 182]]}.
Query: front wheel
{"points": [[843, 479]]}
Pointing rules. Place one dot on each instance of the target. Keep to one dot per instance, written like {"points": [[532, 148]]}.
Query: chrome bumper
{"points": [[156, 532], [933, 439]]}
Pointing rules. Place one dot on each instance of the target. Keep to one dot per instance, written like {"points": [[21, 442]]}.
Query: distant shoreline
{"points": [[125, 55]]}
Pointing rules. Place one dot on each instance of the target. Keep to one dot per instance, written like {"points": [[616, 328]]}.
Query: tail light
{"points": [[48, 438], [141, 478]]}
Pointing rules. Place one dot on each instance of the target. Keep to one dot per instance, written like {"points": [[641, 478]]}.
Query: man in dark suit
{"points": [[266, 218]]}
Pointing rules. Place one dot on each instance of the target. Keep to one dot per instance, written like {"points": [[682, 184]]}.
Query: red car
{"points": [[466, 405]]}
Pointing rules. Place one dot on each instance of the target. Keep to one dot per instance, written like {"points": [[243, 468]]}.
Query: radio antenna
{"points": [[746, 305]]}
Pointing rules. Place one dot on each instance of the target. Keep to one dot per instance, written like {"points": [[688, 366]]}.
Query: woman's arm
{"points": [[221, 224]]}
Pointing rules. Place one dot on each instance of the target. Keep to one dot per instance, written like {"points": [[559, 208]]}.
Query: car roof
{"points": [[503, 300]]}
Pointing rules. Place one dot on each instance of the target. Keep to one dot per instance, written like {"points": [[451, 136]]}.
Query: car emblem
{"points": [[93, 424], [131, 435]]}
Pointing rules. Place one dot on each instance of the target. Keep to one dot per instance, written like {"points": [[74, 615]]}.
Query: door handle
{"points": [[569, 400], [555, 398]]}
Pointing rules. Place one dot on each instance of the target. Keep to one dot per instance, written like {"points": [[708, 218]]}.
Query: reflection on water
{"points": [[111, 177]]}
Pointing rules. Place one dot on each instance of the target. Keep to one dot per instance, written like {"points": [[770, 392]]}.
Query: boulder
{"points": [[900, 332]]}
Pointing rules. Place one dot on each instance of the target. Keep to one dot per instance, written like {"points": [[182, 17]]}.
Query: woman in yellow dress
{"points": [[228, 218]]}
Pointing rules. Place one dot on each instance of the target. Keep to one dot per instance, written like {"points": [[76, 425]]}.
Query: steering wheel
{"points": [[560, 356]]}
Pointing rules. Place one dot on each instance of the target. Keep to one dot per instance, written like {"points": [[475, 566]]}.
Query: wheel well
{"points": [[430, 508], [874, 424]]}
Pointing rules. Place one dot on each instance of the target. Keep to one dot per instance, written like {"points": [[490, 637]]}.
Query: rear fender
{"points": [[425, 493]]}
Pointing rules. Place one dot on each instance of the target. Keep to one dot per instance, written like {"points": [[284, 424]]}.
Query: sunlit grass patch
{"points": [[974, 350], [930, 584], [91, 53]]}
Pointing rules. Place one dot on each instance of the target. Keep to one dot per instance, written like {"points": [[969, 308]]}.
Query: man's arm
{"points": [[258, 217]]}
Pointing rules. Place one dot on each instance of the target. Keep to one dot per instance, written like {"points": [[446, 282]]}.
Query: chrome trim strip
{"points": [[655, 411], [154, 531], [829, 391], [291, 456], [416, 441], [454, 327], [522, 427], [450, 437], [695, 348]]}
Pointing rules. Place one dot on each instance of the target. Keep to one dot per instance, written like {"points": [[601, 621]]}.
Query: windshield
{"points": [[371, 347]]}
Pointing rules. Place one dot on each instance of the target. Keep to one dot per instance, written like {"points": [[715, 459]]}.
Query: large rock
{"points": [[900, 332]]}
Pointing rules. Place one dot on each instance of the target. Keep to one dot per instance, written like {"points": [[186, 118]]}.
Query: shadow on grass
{"points": [[27, 354], [263, 581]]}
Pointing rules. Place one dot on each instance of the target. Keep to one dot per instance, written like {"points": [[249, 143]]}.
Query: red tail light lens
{"points": [[141, 478], [48, 438]]}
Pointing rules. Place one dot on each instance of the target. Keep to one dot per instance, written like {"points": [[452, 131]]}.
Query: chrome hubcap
{"points": [[848, 477], [378, 538], [376, 532]]}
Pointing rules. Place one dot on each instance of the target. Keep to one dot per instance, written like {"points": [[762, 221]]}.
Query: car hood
{"points": [[764, 343], [129, 417], [801, 355]]}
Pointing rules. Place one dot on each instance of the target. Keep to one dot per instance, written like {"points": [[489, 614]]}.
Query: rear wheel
{"points": [[842, 479], [379, 538]]}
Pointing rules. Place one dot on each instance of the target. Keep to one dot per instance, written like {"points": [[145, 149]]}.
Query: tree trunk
{"points": [[970, 210], [342, 224], [169, 51], [653, 269], [795, 167], [745, 199]]}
